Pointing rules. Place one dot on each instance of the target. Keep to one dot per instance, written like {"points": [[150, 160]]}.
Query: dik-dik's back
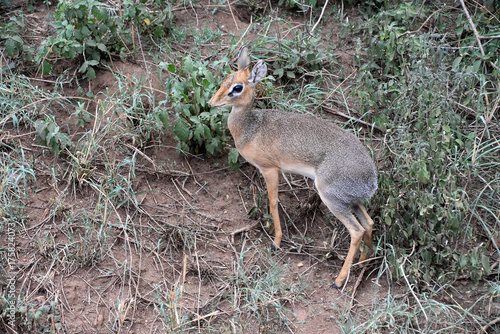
{"points": [[308, 146], [275, 141]]}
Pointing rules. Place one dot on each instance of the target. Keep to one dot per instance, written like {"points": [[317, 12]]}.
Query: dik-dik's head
{"points": [[238, 89]]}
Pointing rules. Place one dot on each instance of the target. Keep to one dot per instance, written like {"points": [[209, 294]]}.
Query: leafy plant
{"points": [[45, 318], [85, 28], [47, 133], [11, 37], [93, 30], [295, 56], [197, 128], [157, 22]]}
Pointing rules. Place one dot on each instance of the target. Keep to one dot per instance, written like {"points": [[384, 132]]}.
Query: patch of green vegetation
{"points": [[48, 134], [11, 35], [16, 179], [434, 100], [427, 314], [294, 56], [141, 117], [197, 127], [92, 31], [40, 318]]}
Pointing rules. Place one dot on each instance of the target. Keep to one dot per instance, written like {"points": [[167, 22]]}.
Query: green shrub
{"points": [[11, 36], [157, 22], [197, 127], [86, 29], [47, 133], [292, 57], [422, 91], [93, 30]]}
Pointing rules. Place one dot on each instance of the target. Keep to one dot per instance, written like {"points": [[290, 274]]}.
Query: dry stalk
{"points": [[473, 26], [409, 285]]}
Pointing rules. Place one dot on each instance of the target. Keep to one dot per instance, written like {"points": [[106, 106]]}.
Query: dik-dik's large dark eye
{"points": [[236, 90]]}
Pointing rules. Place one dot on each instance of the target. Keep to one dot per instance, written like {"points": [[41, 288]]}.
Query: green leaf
{"points": [[85, 31], [103, 28], [477, 65], [290, 74], [206, 131], [171, 68], [198, 133], [213, 146], [17, 39], [197, 92], [485, 261], [279, 72], [102, 47], [206, 83], [91, 43], [91, 73], [181, 129], [78, 34], [423, 175], [11, 48], [84, 67], [40, 126], [188, 65], [233, 158], [46, 67], [164, 119], [456, 63]]}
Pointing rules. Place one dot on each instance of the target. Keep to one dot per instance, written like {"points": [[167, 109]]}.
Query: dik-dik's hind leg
{"points": [[271, 176], [367, 224], [356, 232]]}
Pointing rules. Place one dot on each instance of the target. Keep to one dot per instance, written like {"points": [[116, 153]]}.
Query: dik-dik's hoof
{"points": [[274, 247], [335, 286]]}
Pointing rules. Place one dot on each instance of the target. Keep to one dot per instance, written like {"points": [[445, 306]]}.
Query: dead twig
{"points": [[356, 285], [489, 324], [320, 16], [232, 14], [472, 25], [332, 111], [409, 285], [243, 229]]}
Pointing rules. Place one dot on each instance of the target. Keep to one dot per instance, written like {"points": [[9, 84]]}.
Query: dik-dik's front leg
{"points": [[271, 176]]}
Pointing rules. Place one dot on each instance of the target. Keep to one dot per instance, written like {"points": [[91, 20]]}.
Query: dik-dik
{"points": [[275, 141]]}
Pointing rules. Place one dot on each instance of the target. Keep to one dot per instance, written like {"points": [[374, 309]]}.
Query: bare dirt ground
{"points": [[184, 256]]}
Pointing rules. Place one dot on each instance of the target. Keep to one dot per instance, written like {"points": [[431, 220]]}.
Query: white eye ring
{"points": [[236, 90]]}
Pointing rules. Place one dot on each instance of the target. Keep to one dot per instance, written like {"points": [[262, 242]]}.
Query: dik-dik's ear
{"points": [[259, 72], [243, 58]]}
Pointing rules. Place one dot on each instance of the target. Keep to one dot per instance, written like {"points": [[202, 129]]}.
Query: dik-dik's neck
{"points": [[240, 119]]}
